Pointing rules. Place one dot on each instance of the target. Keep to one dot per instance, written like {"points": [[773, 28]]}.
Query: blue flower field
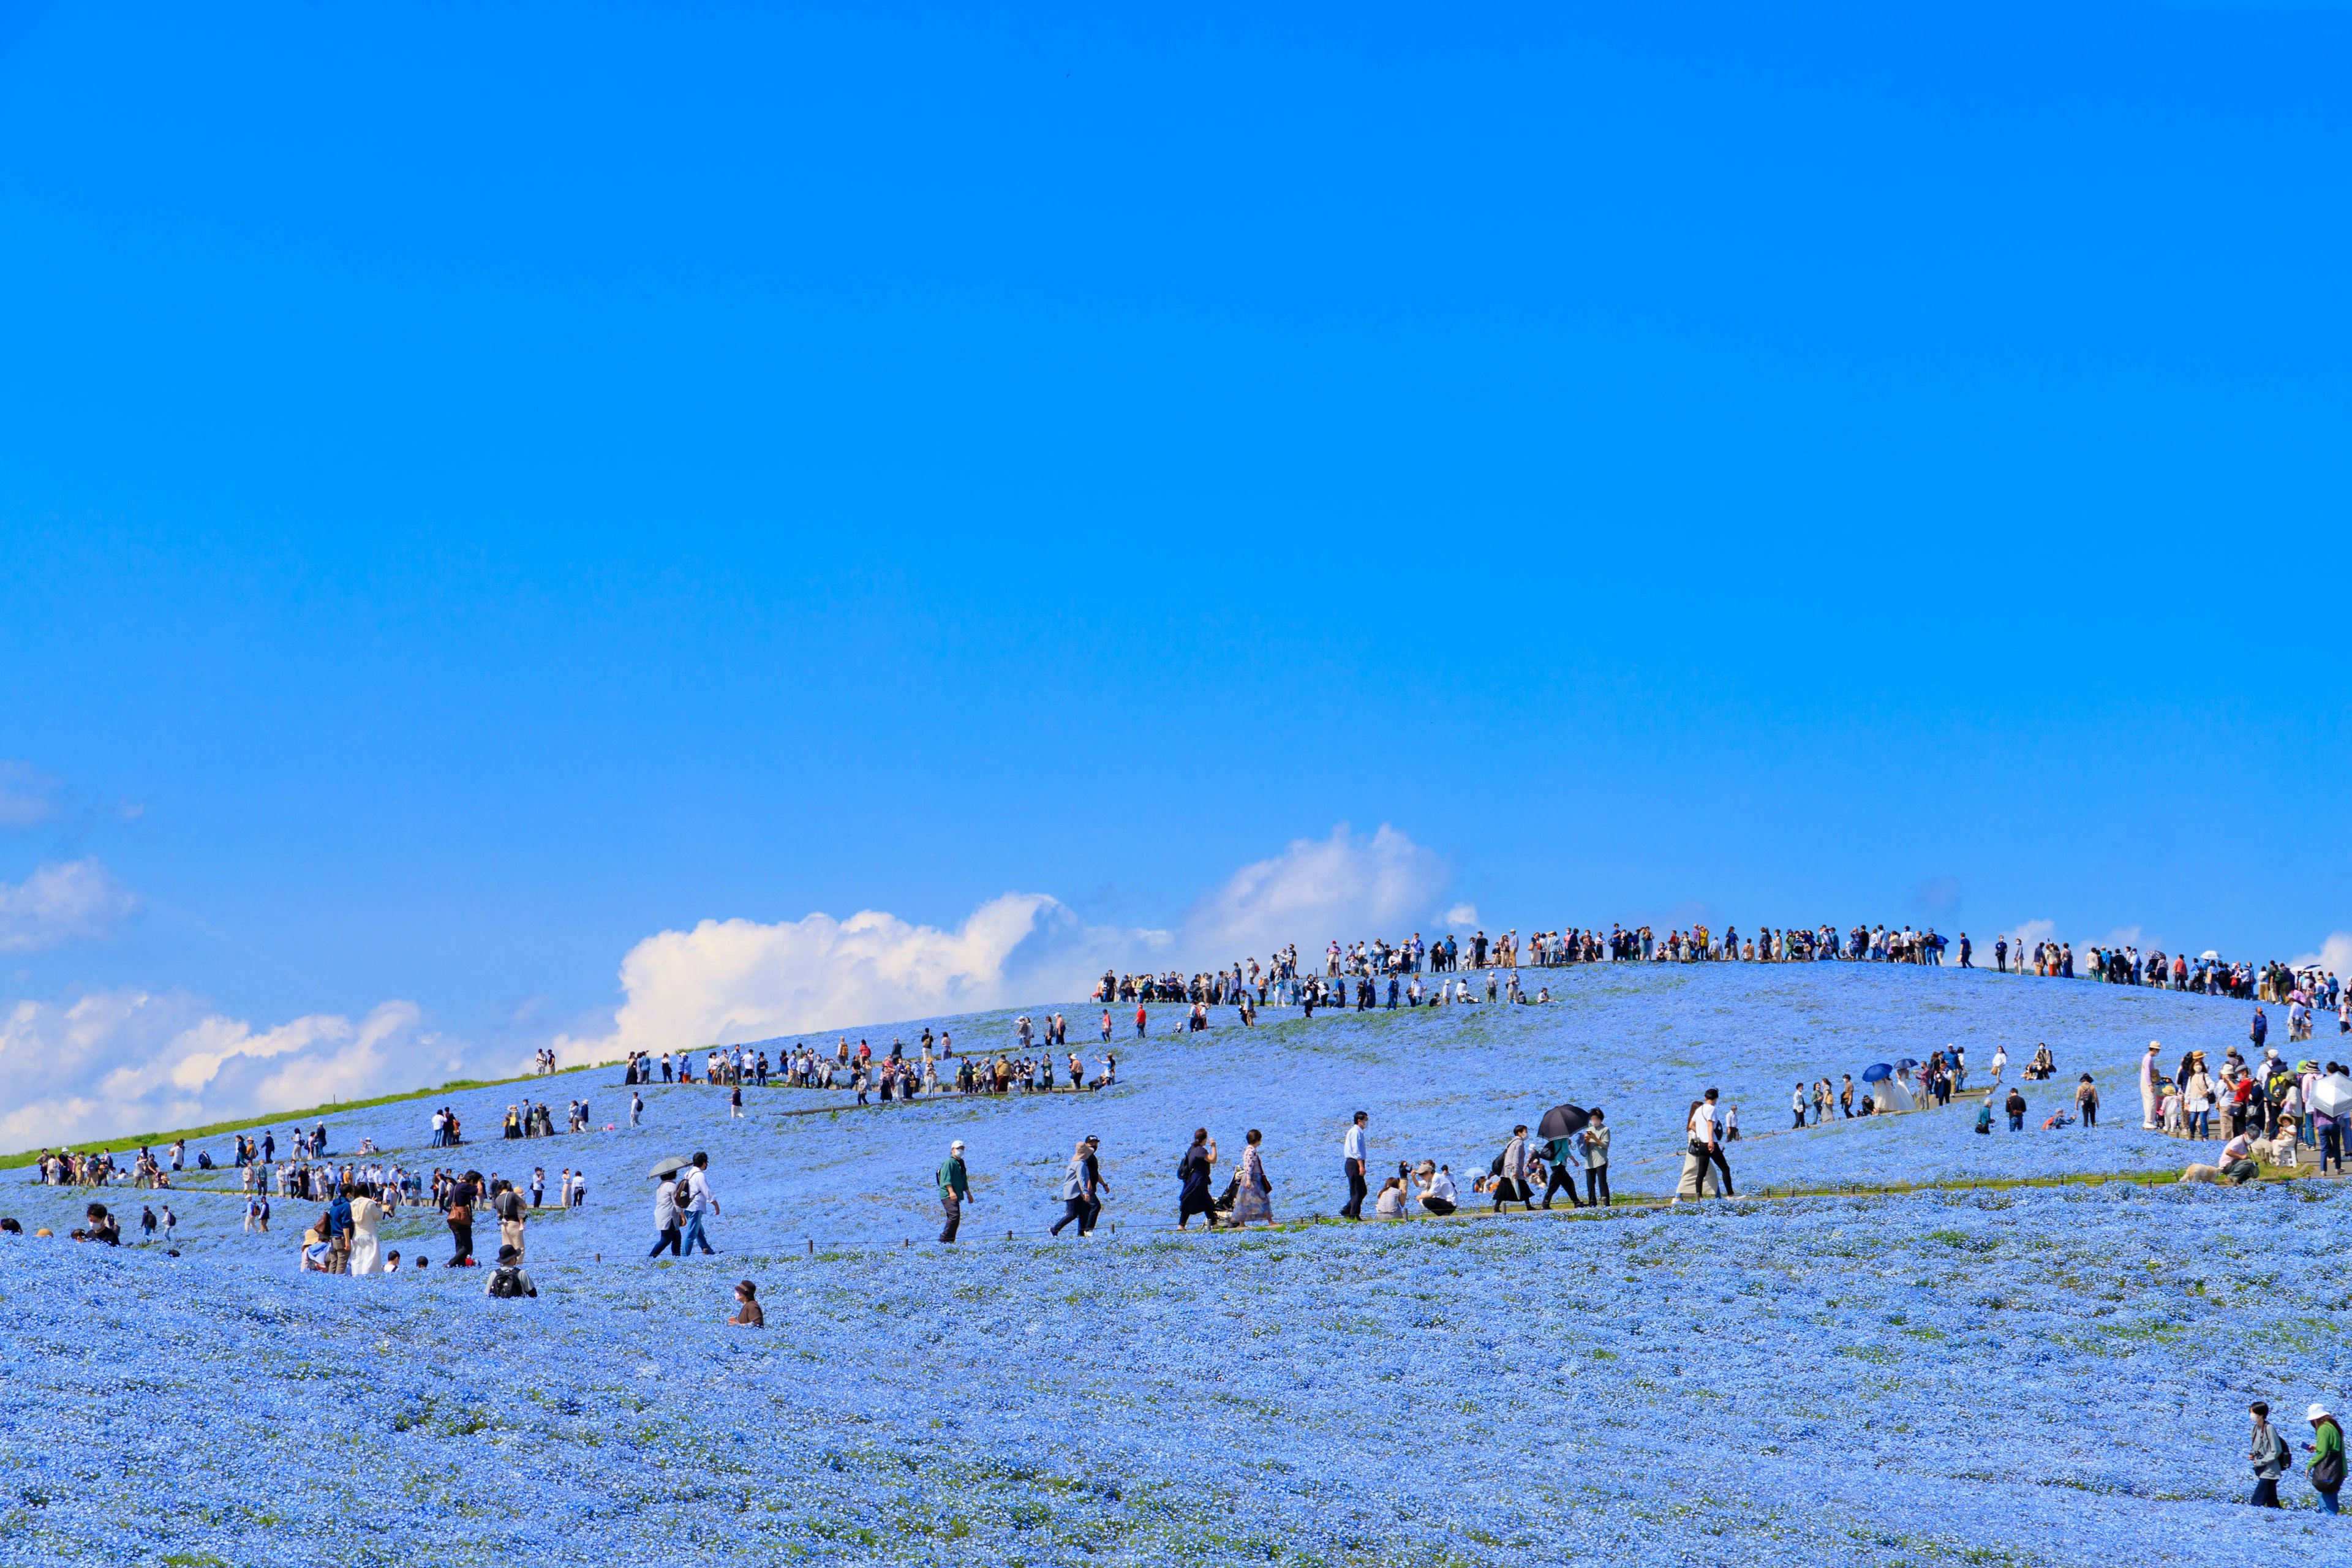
{"points": [[1981, 1373]]}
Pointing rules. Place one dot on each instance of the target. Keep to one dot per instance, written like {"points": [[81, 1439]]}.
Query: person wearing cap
{"points": [[955, 1190], [2326, 1447], [2147, 1088]]}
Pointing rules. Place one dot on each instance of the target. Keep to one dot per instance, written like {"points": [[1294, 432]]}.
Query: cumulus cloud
{"points": [[2028, 933], [728, 981], [1344, 886], [1463, 917], [2334, 954], [122, 1062], [65, 902]]}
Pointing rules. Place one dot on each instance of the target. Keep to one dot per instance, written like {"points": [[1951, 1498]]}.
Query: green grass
{"points": [[131, 1141]]}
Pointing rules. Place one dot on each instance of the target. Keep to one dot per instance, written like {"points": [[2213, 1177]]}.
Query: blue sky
{"points": [[483, 486]]}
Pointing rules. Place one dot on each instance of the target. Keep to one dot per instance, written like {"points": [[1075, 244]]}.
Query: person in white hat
{"points": [[955, 1190], [2327, 1469], [2148, 1087]]}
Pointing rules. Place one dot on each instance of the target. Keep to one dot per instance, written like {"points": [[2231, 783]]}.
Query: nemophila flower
{"points": [[2055, 1376]]}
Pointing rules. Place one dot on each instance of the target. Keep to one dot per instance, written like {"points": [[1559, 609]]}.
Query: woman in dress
{"points": [[366, 1216], [1252, 1191]]}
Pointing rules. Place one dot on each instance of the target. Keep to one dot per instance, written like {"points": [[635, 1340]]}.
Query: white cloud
{"points": [[119, 1062], [27, 797], [1463, 917], [2028, 933], [727, 981], [2122, 936], [1318, 889], [2334, 954], [68, 901]]}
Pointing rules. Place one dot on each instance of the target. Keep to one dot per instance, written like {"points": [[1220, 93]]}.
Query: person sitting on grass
{"points": [[748, 1314], [1392, 1199]]}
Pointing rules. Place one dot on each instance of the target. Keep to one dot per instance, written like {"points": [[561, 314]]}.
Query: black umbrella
{"points": [[1563, 1121]]}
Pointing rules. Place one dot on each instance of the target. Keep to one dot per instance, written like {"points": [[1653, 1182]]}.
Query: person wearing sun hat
{"points": [[2326, 1472]]}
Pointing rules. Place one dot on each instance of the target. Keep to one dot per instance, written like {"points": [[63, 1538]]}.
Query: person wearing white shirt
{"points": [[1353, 1155], [698, 1201], [1438, 1196]]}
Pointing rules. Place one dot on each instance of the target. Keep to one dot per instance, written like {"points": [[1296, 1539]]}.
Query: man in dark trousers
{"points": [[955, 1190], [1352, 1158]]}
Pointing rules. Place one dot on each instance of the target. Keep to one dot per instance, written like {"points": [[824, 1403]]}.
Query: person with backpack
{"points": [[508, 1282], [2326, 1447], [955, 1190], [697, 1199], [2270, 1455]]}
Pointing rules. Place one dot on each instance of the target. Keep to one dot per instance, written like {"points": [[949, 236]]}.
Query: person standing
{"points": [[2327, 1471], [1354, 1153], [955, 1190], [1194, 1169], [2086, 1100], [512, 1209], [637, 1107], [1845, 1096], [1140, 1020], [2147, 1088], [1595, 1141], [698, 1202]]}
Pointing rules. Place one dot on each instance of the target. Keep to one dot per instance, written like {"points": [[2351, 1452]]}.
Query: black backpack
{"points": [[507, 1284]]}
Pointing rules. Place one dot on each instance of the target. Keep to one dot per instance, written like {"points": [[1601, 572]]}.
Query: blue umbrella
{"points": [[1876, 1071], [1907, 1064]]}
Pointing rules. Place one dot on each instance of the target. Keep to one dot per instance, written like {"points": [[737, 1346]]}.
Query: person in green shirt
{"points": [[2327, 1471], [1564, 1156], [955, 1190]]}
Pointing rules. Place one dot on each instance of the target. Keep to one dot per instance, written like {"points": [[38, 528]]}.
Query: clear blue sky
{"points": [[484, 484]]}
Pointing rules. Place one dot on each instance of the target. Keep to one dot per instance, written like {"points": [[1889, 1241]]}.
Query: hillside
{"points": [[1890, 1379]]}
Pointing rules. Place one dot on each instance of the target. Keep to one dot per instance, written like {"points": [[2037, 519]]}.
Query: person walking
{"points": [[2015, 1105], [1253, 1193], [2326, 1447], [1194, 1168], [1565, 1159], [1078, 1190], [667, 1218], [1511, 1182], [955, 1190], [698, 1202], [1353, 1154], [2271, 1456], [1707, 1127], [637, 1107]]}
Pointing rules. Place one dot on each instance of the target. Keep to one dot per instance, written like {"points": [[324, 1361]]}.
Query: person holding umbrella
{"points": [[1561, 1126], [668, 1229]]}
